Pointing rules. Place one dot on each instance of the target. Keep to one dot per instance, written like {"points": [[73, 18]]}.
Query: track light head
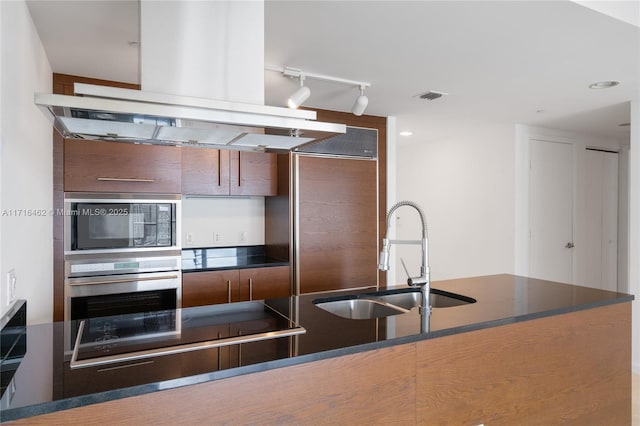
{"points": [[360, 104], [300, 95]]}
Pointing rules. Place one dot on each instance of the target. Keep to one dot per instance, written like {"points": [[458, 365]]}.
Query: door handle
{"points": [[250, 289], [229, 291], [114, 179], [570, 245]]}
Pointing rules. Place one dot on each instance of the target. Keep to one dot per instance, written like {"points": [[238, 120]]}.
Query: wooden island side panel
{"points": [[567, 369]]}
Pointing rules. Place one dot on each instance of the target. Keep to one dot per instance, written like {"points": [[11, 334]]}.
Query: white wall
{"points": [[203, 218], [634, 228], [464, 184], [26, 164]]}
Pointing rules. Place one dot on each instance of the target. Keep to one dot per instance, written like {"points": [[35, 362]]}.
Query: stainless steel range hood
{"points": [[125, 115]]}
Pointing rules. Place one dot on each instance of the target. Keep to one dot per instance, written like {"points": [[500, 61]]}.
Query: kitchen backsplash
{"points": [[224, 221]]}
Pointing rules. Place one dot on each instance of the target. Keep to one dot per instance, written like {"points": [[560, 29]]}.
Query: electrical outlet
{"points": [[242, 236], [189, 238], [217, 237], [11, 286]]}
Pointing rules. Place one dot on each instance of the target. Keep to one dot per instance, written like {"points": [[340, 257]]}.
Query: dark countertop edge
{"points": [[248, 266], [80, 401]]}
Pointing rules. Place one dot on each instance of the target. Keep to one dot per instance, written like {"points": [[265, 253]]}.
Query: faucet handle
{"points": [[404, 266]]}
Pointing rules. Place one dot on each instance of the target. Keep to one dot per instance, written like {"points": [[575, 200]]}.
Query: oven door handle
{"points": [[124, 280]]}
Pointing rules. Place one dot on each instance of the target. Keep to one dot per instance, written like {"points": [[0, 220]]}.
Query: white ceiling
{"points": [[500, 62]]}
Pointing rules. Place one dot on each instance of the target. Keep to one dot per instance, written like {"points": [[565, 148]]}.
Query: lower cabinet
{"points": [[103, 378], [234, 285]]}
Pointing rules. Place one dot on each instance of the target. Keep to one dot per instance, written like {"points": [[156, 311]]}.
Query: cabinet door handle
{"points": [[229, 291], [219, 353], [219, 168], [112, 179], [239, 165], [250, 289]]}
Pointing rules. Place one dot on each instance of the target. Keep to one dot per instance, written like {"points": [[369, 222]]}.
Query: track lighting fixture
{"points": [[360, 104], [303, 92], [300, 95]]}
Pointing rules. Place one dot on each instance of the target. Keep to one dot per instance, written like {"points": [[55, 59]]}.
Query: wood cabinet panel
{"points": [[121, 167], [234, 285], [573, 368], [253, 173], [338, 230], [205, 171], [110, 377], [265, 283], [209, 288]]}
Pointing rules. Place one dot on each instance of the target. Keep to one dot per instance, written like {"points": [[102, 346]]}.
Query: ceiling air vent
{"points": [[431, 95]]}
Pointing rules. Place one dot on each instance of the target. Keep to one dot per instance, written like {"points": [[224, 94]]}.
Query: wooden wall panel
{"points": [[573, 368], [277, 220], [63, 83]]}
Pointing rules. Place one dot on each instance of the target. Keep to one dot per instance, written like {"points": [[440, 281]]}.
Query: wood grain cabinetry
{"points": [[264, 283], [205, 171], [219, 172], [253, 173], [97, 166], [210, 288], [103, 378], [234, 285], [338, 223]]}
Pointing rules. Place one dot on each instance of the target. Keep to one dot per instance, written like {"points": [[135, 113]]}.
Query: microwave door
{"points": [[102, 226]]}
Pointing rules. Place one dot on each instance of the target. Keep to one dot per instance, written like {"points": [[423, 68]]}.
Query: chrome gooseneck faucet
{"points": [[423, 280]]}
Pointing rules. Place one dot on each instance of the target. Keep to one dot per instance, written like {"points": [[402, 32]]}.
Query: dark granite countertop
{"points": [[221, 258], [44, 382]]}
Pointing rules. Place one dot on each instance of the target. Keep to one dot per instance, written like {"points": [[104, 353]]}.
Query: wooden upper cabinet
{"points": [[253, 173], [98, 166], [207, 171]]}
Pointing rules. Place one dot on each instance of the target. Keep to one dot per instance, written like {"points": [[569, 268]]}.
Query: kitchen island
{"points": [[526, 352]]}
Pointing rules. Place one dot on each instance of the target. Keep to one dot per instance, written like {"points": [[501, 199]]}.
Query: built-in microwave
{"points": [[121, 222]]}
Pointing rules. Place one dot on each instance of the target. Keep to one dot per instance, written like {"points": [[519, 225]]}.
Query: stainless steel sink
{"points": [[388, 302], [408, 298], [359, 308]]}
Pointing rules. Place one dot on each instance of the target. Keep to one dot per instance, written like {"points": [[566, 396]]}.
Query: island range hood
{"points": [[125, 115]]}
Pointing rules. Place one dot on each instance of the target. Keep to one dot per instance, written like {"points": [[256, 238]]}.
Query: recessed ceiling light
{"points": [[604, 84], [406, 133]]}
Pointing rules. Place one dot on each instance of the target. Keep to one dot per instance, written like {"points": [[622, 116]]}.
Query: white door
{"points": [[551, 211], [599, 267]]}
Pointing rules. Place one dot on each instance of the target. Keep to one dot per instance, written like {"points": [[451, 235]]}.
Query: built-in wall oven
{"points": [[122, 256]]}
